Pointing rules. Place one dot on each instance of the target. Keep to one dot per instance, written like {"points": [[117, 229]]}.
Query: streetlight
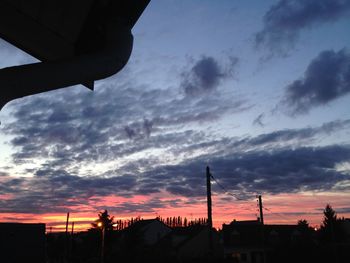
{"points": [[100, 224]]}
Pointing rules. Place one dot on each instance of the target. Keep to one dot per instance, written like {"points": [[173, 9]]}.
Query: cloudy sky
{"points": [[257, 90]]}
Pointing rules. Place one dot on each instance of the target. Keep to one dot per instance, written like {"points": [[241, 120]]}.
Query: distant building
{"points": [[22, 243], [152, 240], [243, 242], [147, 231], [253, 242], [345, 228], [190, 244]]}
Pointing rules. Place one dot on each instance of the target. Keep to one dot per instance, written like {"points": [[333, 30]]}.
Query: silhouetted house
{"points": [[136, 242], [146, 231], [22, 243], [243, 242], [345, 228], [338, 248], [189, 244], [252, 242]]}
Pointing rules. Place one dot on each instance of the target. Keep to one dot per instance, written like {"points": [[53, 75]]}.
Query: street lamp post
{"points": [[103, 229]]}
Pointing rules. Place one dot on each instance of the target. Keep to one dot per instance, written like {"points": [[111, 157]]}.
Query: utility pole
{"points": [[67, 221], [103, 244], [210, 220], [261, 210], [262, 226]]}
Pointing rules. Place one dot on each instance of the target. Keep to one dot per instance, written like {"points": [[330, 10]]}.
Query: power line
{"points": [[236, 196], [226, 191], [275, 213], [242, 199]]}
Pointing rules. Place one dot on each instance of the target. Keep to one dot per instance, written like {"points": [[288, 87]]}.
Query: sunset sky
{"points": [[257, 90]]}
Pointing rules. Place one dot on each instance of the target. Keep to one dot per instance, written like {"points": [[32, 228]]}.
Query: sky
{"points": [[257, 90]]}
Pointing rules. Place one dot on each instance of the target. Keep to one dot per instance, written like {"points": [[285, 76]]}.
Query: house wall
{"points": [[198, 247], [154, 232], [244, 255]]}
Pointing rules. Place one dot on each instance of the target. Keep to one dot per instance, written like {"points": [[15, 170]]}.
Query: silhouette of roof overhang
{"points": [[77, 41]]}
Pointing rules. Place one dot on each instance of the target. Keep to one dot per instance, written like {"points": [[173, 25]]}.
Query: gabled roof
{"points": [[140, 225], [179, 236], [246, 222], [248, 233]]}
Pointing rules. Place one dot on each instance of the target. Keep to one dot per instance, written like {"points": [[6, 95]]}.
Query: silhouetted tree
{"points": [[306, 233], [105, 219], [303, 223], [330, 217], [303, 226], [331, 226]]}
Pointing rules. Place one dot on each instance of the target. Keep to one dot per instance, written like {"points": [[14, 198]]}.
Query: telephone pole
{"points": [[262, 226], [210, 221], [67, 222], [261, 210]]}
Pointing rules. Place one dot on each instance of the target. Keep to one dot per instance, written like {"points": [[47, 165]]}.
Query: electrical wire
{"points": [[275, 213], [226, 191]]}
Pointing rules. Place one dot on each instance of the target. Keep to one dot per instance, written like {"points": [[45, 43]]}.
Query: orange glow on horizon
{"points": [[279, 209]]}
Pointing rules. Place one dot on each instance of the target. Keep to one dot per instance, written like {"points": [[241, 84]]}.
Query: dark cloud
{"points": [[287, 170], [342, 210], [203, 77], [273, 172], [298, 135], [244, 166], [261, 165], [69, 129], [57, 190], [206, 75], [3, 173], [139, 130], [326, 78], [149, 206], [259, 120], [185, 179], [333, 126], [130, 132], [147, 127], [72, 127], [284, 21]]}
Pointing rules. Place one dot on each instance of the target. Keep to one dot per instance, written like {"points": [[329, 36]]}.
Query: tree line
{"points": [[330, 228], [109, 223]]}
